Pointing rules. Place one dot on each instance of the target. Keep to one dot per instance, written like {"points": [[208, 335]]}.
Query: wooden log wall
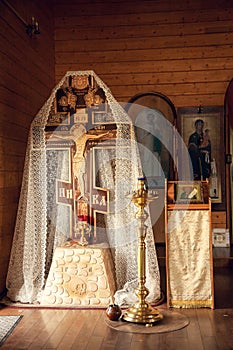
{"points": [[27, 76], [182, 49]]}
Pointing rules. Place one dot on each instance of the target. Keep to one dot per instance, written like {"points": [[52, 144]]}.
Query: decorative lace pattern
{"points": [[39, 226]]}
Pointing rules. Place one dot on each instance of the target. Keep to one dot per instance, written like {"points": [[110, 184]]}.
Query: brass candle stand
{"points": [[141, 311], [82, 228]]}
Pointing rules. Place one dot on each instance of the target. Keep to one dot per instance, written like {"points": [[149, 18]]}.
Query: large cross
{"points": [[98, 197], [67, 193]]}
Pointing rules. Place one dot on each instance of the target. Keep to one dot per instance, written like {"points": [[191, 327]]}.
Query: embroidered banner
{"points": [[189, 259]]}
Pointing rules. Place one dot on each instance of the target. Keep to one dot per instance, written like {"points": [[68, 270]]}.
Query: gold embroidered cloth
{"points": [[189, 259]]}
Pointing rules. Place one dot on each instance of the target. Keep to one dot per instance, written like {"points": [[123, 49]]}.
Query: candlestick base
{"points": [[83, 242], [142, 313]]}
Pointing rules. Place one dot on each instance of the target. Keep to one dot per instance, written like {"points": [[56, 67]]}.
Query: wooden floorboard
{"points": [[86, 329]]}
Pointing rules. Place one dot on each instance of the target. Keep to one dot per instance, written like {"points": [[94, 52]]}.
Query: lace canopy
{"points": [[81, 112]]}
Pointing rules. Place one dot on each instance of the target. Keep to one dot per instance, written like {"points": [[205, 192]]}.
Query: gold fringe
{"points": [[191, 303]]}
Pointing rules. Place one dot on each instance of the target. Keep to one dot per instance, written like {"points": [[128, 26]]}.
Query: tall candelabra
{"points": [[142, 311]]}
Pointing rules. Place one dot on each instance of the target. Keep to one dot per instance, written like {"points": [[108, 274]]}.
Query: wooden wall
{"points": [[180, 48], [27, 77]]}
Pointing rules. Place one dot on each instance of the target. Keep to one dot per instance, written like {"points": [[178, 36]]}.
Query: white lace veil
{"points": [[35, 239]]}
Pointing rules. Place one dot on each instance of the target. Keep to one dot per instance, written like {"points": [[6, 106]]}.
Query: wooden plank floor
{"points": [[86, 329]]}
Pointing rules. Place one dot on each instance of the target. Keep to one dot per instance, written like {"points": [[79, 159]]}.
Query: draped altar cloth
{"points": [[41, 226], [189, 259]]}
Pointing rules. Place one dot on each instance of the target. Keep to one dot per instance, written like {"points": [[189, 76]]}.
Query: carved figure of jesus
{"points": [[80, 136], [79, 161]]}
